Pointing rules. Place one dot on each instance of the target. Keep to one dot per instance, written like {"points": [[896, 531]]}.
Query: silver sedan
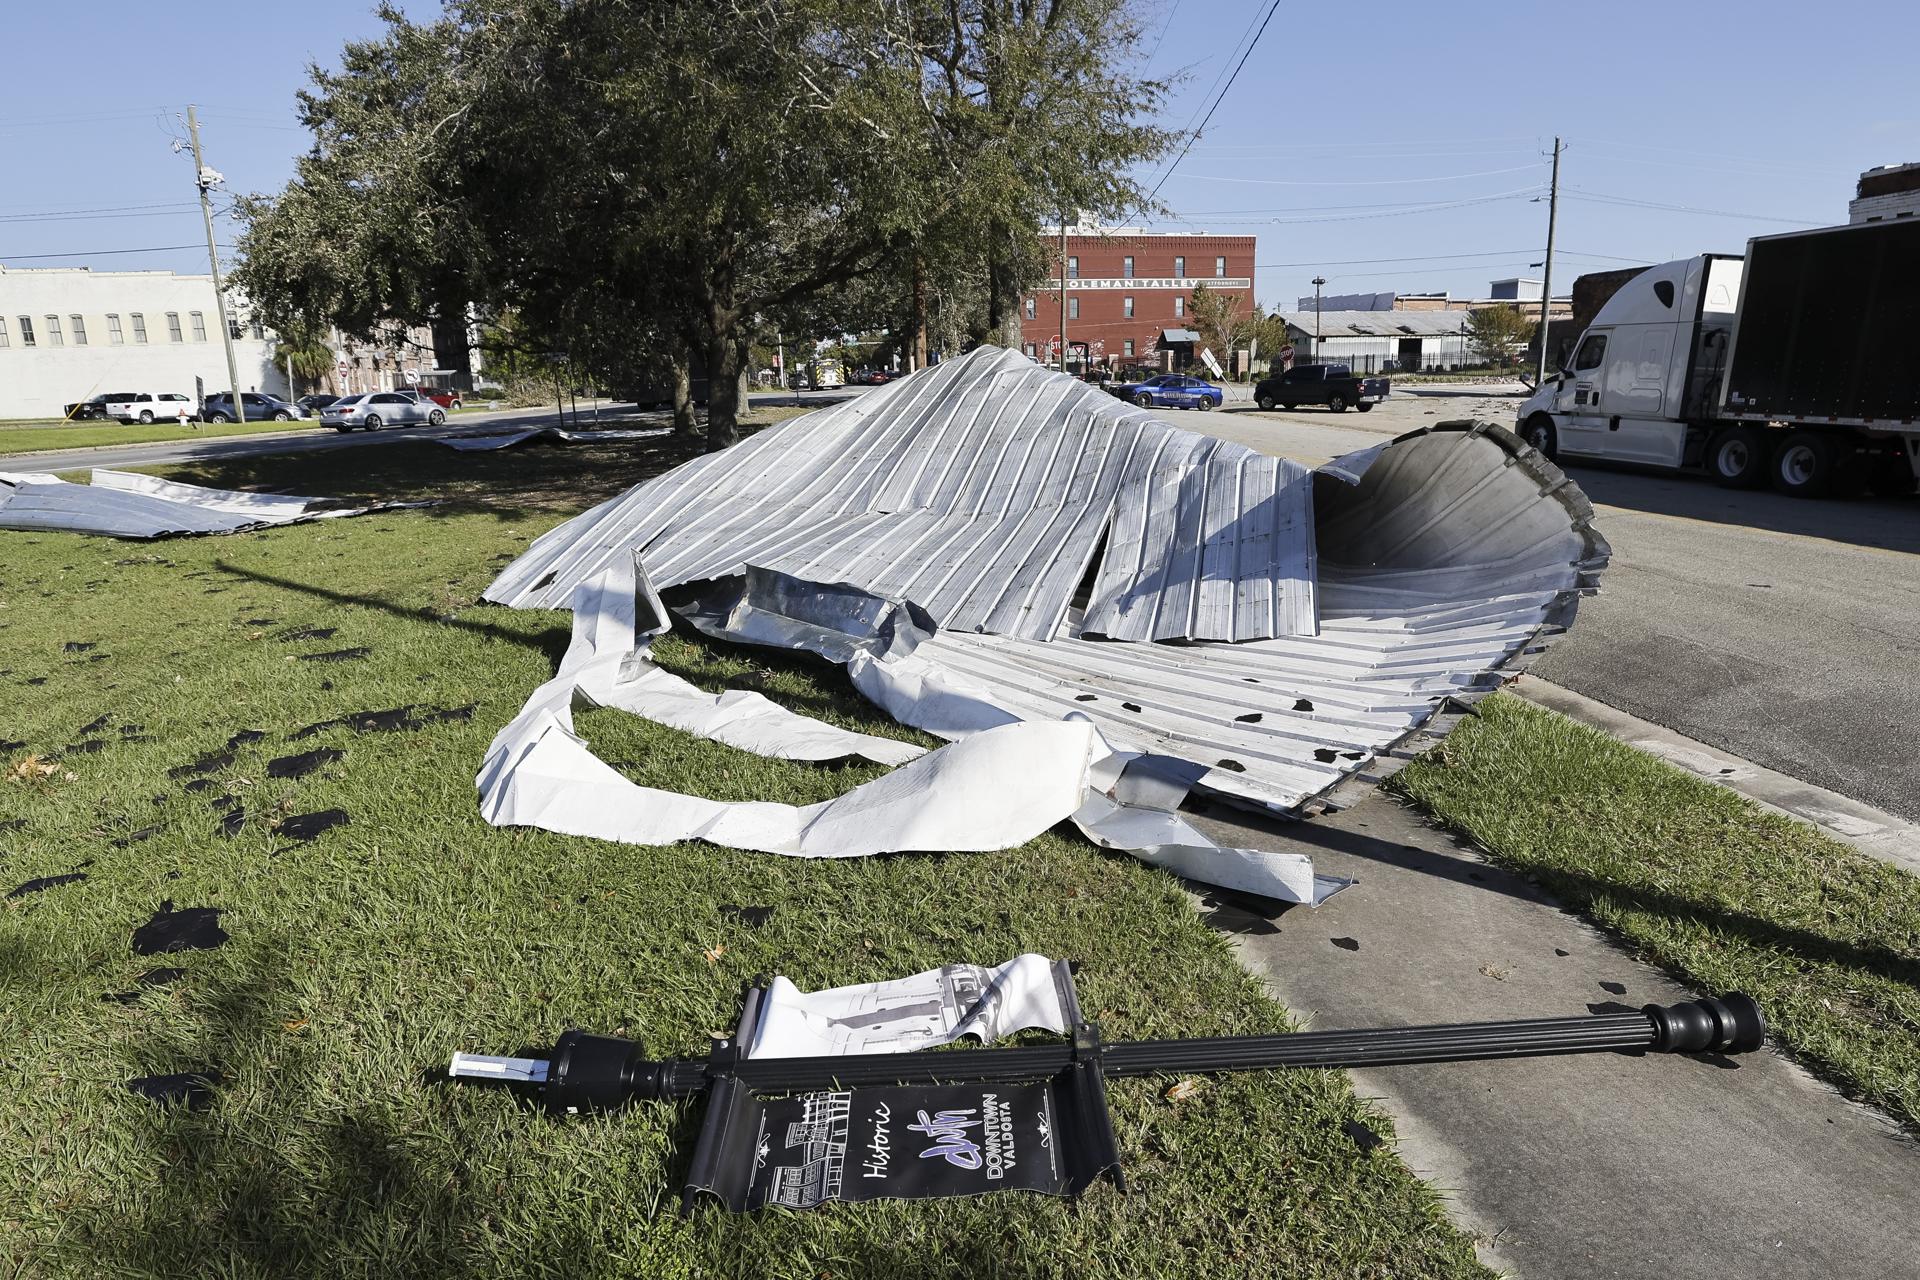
{"points": [[381, 409]]}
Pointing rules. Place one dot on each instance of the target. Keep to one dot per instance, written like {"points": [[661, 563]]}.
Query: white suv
{"points": [[153, 407]]}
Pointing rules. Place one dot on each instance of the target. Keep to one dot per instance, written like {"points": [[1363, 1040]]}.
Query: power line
{"points": [[1360, 182], [1195, 134], [1362, 217], [108, 208], [1343, 208], [1631, 202], [100, 253]]}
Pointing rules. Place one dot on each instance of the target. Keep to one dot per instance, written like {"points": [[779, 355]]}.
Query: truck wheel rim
{"points": [[1538, 437], [1733, 457], [1797, 464]]}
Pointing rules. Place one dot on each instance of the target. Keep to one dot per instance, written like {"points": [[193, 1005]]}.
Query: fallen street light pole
{"points": [[860, 1102]]}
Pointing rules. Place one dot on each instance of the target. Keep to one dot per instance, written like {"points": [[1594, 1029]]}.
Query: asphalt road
{"points": [[1783, 630]]}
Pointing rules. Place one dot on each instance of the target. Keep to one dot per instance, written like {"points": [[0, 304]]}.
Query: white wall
{"points": [[37, 381]]}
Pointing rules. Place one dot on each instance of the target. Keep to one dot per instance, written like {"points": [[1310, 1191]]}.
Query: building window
{"points": [[173, 327], [1073, 308], [1073, 268], [258, 331], [1029, 349], [54, 338], [139, 328], [1126, 267], [26, 331], [1030, 308], [199, 325], [5, 341], [1126, 348], [1179, 304], [1127, 302], [1219, 268], [233, 330], [79, 330], [114, 335], [1180, 268]]}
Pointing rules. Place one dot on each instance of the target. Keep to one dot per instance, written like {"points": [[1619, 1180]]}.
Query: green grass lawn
{"points": [[361, 959], [31, 436], [1703, 882]]}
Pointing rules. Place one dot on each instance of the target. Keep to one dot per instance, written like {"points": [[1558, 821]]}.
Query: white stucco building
{"points": [[70, 333]]}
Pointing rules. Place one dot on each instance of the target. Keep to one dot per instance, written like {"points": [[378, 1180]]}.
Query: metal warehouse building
{"points": [[1369, 340]]}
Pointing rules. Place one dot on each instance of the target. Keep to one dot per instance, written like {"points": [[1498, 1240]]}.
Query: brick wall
{"points": [[1103, 286]]}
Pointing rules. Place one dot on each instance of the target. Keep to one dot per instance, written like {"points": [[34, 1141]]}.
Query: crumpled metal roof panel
{"points": [[981, 489]]}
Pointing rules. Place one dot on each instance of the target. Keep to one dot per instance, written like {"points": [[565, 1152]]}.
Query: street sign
{"points": [[1206, 356]]}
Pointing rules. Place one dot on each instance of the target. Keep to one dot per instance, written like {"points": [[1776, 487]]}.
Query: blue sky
{"points": [[1418, 133]]}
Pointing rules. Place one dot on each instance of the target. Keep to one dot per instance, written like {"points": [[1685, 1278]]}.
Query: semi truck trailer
{"points": [[1794, 366]]}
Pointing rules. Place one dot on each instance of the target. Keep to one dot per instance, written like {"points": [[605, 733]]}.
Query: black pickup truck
{"points": [[1332, 385]]}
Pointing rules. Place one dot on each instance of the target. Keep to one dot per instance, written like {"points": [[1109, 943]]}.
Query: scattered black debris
{"points": [[1130, 706], [1609, 1006], [12, 744], [135, 837], [755, 916], [204, 765], [1557, 951], [146, 981], [409, 717], [46, 882], [1085, 697], [337, 655], [1614, 988], [231, 822], [79, 646], [1363, 1135], [1231, 766], [98, 657], [133, 731], [306, 633], [326, 685], [258, 622], [1346, 944], [36, 680], [95, 726], [13, 824], [1325, 755], [189, 929], [1252, 717], [194, 1088], [308, 826], [85, 747], [224, 803], [1302, 704], [202, 784], [243, 738], [303, 764]]}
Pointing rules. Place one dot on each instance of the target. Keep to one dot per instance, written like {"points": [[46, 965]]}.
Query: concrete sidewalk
{"points": [[1592, 1166]]}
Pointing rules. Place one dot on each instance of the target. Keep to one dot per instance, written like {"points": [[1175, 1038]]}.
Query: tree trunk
{"points": [[682, 359], [917, 345], [726, 367]]}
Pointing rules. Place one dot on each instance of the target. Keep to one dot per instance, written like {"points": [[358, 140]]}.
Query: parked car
{"points": [[259, 407], [95, 406], [315, 403], [1332, 385], [445, 397], [1170, 391], [152, 406], [381, 409]]}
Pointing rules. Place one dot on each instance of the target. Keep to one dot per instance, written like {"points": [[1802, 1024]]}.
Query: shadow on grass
{"points": [[550, 641]]}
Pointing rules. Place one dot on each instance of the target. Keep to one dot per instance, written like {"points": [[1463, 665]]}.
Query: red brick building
{"points": [[1129, 293]]}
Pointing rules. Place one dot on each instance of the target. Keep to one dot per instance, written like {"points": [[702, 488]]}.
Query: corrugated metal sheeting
{"points": [[982, 490], [124, 504], [1320, 621]]}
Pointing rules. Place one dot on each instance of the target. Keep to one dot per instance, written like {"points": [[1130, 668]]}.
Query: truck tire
{"points": [[1337, 403], [1806, 465], [1737, 457], [146, 417], [1265, 403], [1365, 406], [1540, 432]]}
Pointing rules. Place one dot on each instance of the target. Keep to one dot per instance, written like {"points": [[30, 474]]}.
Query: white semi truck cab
{"points": [[1784, 367]]}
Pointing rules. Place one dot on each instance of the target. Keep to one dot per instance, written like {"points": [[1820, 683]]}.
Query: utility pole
{"points": [[1063, 291], [204, 178], [1546, 282], [1317, 282]]}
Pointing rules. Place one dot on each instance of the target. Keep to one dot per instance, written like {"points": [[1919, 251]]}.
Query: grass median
{"points": [[360, 957], [1718, 891], [36, 437]]}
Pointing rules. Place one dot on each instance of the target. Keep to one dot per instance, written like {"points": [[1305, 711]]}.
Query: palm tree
{"points": [[305, 350]]}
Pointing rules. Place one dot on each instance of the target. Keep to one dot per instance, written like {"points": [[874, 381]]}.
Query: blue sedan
{"points": [[1170, 391]]}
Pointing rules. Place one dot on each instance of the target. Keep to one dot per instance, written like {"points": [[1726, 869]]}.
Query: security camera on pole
{"points": [[206, 179]]}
